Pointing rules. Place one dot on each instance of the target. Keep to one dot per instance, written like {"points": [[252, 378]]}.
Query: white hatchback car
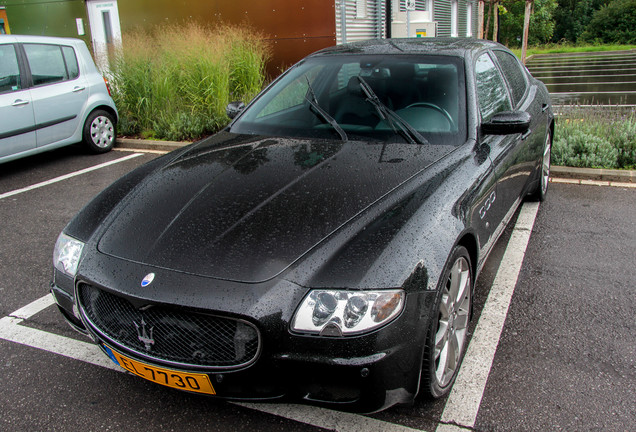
{"points": [[52, 95]]}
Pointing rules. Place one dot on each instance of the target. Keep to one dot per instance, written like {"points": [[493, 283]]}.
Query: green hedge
{"points": [[602, 137]]}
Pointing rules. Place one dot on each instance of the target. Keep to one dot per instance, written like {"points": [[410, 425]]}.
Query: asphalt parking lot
{"points": [[565, 349]]}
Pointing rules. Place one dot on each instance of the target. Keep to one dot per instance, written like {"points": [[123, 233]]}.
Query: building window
{"points": [[469, 19]]}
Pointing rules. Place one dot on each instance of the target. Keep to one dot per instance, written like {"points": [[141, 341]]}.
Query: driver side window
{"points": [[491, 88]]}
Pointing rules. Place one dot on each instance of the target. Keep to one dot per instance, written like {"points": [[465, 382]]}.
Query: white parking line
{"points": [[327, 419], [461, 407], [464, 401], [67, 176], [11, 330]]}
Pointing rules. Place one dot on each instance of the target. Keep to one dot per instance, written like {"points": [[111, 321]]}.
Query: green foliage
{"points": [[174, 83], [541, 22], [613, 23], [601, 138]]}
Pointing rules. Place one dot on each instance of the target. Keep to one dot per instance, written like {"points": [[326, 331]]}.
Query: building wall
{"points": [[47, 17], [295, 28], [360, 20]]}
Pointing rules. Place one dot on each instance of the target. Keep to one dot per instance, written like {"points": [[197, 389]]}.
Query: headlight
{"points": [[342, 313], [67, 254]]}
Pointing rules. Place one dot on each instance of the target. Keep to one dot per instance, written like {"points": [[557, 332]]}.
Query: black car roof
{"points": [[458, 47]]}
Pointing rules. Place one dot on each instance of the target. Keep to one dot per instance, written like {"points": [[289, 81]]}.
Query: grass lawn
{"points": [[566, 49]]}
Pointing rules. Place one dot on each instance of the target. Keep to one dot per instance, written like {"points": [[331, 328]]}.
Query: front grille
{"points": [[175, 336]]}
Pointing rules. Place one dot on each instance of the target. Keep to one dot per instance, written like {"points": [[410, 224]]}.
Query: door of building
{"points": [[103, 17]]}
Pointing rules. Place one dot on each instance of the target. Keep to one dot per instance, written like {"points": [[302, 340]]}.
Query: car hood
{"points": [[245, 208]]}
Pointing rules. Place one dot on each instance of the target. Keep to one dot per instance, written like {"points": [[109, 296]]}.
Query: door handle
{"points": [[544, 107], [77, 89], [19, 102]]}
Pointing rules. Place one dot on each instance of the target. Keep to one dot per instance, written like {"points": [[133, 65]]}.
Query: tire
{"points": [[99, 132], [448, 333], [541, 190]]}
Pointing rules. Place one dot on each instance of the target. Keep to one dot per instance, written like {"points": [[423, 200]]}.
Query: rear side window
{"points": [[514, 74], [71, 62], [491, 88], [51, 63], [9, 70]]}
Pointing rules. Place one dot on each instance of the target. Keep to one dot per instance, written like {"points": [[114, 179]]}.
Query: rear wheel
{"points": [[541, 191], [446, 340], [99, 132]]}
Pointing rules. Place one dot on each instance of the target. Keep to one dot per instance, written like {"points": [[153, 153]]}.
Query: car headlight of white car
{"points": [[342, 313], [66, 254]]}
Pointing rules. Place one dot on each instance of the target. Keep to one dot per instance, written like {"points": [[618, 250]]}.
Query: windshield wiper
{"points": [[386, 113], [324, 114]]}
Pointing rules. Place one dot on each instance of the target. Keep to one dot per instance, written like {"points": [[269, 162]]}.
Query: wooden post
{"points": [[480, 20], [526, 27], [495, 24]]}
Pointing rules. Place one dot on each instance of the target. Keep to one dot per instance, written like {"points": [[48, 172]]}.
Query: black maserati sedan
{"points": [[323, 248]]}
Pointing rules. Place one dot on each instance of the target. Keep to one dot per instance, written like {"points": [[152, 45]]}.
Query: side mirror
{"points": [[234, 108], [507, 123]]}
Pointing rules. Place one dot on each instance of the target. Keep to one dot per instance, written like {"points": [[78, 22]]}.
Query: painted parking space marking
{"points": [[326, 418], [69, 175], [464, 401], [11, 330], [461, 408]]}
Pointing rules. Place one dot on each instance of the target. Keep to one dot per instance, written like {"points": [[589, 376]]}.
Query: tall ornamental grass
{"points": [[598, 137], [175, 83]]}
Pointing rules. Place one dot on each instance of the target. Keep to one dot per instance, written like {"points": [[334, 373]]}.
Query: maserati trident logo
{"points": [[143, 335], [147, 280]]}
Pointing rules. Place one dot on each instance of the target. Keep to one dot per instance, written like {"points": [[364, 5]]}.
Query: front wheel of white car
{"points": [[99, 132]]}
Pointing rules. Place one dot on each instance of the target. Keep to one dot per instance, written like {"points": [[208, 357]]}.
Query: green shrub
{"points": [[174, 83], [603, 137]]}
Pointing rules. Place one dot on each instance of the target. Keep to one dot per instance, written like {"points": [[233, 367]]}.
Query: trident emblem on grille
{"points": [[143, 336]]}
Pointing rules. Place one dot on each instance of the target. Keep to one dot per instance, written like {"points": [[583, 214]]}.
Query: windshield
{"points": [[329, 97]]}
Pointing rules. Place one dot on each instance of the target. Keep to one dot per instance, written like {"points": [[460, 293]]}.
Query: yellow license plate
{"points": [[193, 382]]}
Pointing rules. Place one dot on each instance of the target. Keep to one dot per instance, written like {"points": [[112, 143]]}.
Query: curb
{"points": [[140, 144], [605, 175]]}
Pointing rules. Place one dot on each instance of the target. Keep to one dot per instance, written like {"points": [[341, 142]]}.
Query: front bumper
{"points": [[364, 373]]}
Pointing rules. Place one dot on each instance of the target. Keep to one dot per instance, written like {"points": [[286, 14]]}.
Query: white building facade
{"points": [[366, 19]]}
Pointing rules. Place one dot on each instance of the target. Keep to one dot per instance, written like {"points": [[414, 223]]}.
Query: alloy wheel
{"points": [[454, 314]]}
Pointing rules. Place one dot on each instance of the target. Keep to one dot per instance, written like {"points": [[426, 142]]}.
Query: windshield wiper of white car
{"points": [[386, 113], [322, 113]]}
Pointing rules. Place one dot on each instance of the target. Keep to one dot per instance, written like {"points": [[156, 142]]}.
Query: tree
{"points": [[571, 18], [541, 22], [614, 23]]}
